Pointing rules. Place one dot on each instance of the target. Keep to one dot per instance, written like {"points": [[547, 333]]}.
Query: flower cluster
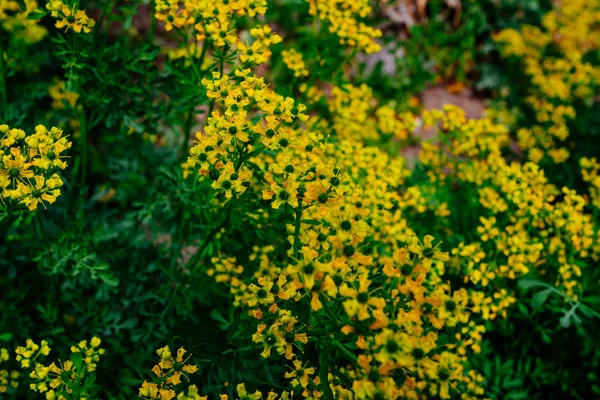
{"points": [[258, 52], [62, 380], [334, 265], [15, 20], [169, 373], [560, 75], [90, 352], [212, 20], [342, 19], [356, 116], [350, 247], [70, 17], [292, 59], [590, 171], [526, 223], [8, 379], [61, 97], [29, 163]]}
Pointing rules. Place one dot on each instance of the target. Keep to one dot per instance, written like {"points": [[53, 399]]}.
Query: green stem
{"points": [[39, 225], [241, 159], [190, 55], [297, 224], [344, 350], [152, 22], [324, 374], [3, 94], [188, 125], [39, 230], [205, 45], [211, 235], [84, 144], [212, 103], [186, 133], [105, 12]]}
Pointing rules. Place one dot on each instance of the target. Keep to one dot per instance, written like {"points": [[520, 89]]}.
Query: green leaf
{"points": [[591, 299], [216, 315], [5, 337], [129, 381], [324, 362], [523, 308], [77, 360], [540, 298], [311, 222], [109, 280], [346, 380], [57, 331], [565, 320], [101, 267], [530, 283], [345, 351], [37, 14], [22, 5], [589, 311]]}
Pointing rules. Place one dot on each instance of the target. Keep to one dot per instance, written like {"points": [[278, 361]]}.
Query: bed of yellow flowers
{"points": [[207, 200]]}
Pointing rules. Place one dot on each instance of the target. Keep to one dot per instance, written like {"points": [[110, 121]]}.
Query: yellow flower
{"points": [[78, 20], [148, 390]]}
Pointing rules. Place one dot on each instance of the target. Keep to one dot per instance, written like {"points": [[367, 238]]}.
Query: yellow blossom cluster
{"points": [[29, 163], [258, 52], [365, 278], [8, 379], [206, 19], [65, 99], [553, 58], [350, 278], [56, 381], [590, 170], [61, 97], [69, 17], [357, 116], [292, 58], [90, 352], [342, 19], [350, 246], [14, 20], [526, 223], [187, 53], [168, 380]]}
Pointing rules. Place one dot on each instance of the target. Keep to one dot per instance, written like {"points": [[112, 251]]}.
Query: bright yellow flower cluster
{"points": [[15, 21], [207, 19], [590, 170], [56, 381], [91, 352], [348, 222], [292, 58], [553, 57], [61, 96], [342, 18], [169, 373], [69, 17], [353, 117], [7, 378], [189, 54], [230, 137], [29, 163], [29, 352], [526, 222], [258, 52]]}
